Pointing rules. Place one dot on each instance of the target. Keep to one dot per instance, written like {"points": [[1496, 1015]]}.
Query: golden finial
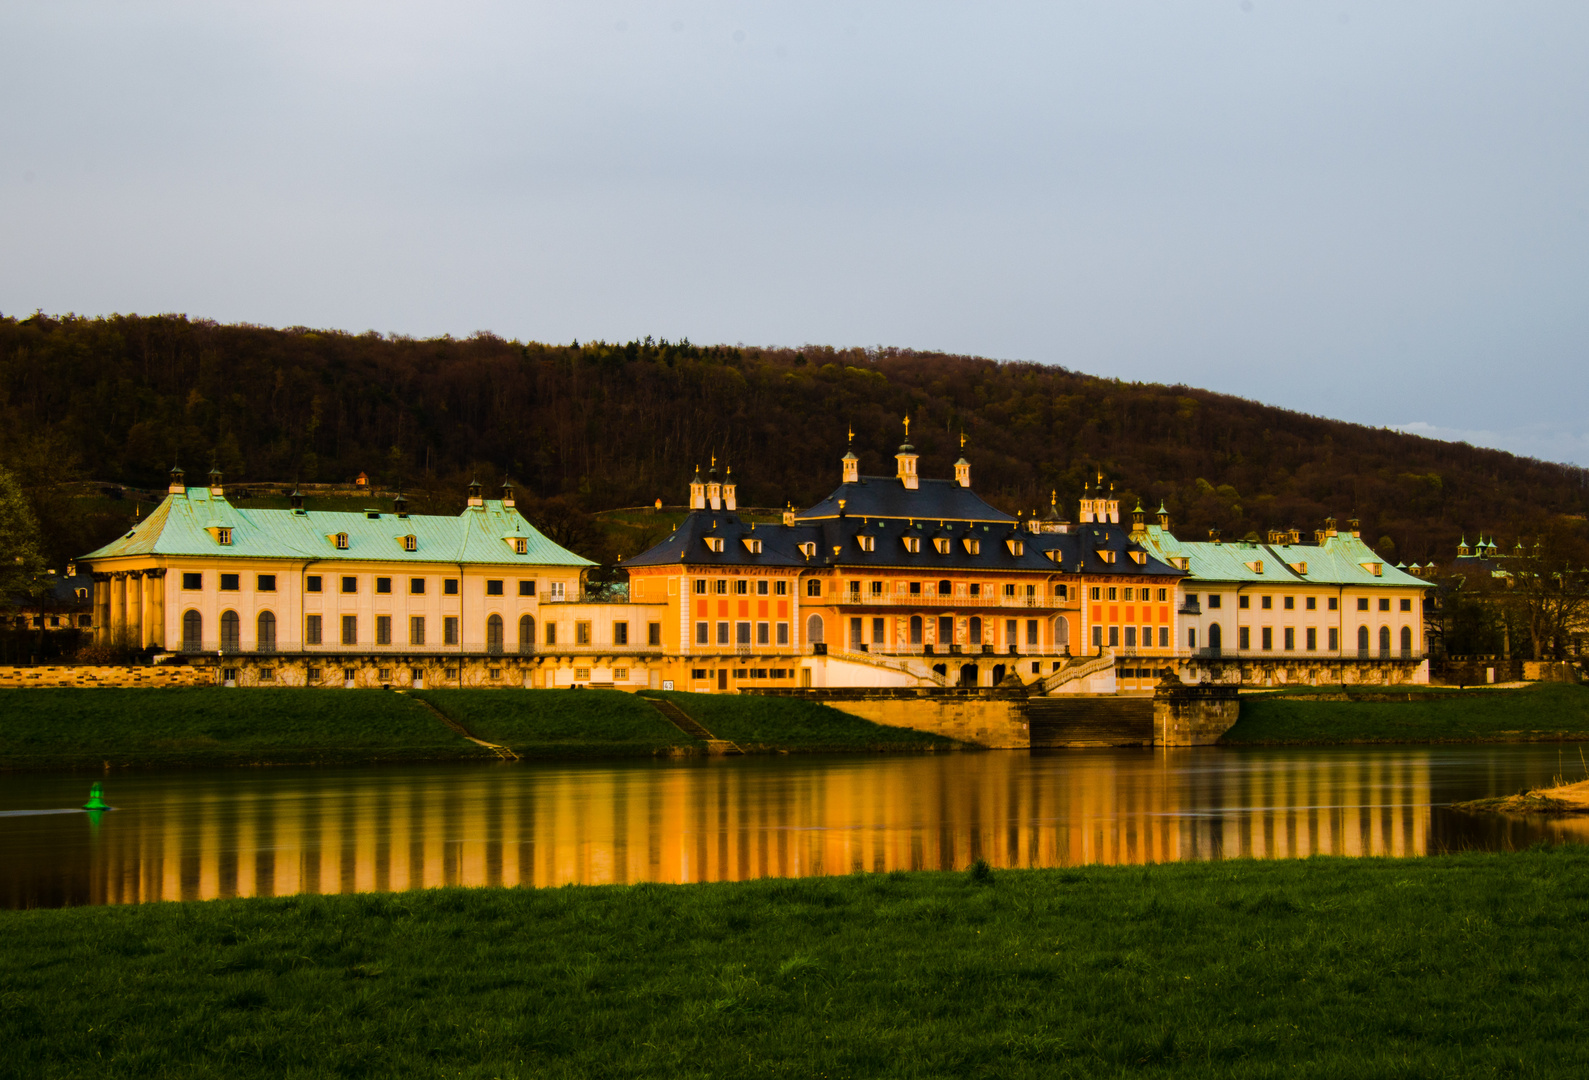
{"points": [[907, 428], [1053, 497], [714, 461], [962, 440], [852, 432]]}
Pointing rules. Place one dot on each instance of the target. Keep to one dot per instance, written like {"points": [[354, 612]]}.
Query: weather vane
{"points": [[962, 440], [907, 427]]}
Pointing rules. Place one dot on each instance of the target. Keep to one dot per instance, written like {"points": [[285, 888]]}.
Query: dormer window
{"points": [[223, 536], [1301, 568], [1373, 567], [1106, 555], [1016, 547], [410, 542], [867, 543], [1256, 566], [913, 544], [942, 543], [752, 546], [808, 549], [973, 547], [521, 545], [341, 541], [1140, 557], [714, 543]]}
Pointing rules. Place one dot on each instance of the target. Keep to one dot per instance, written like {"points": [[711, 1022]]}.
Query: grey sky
{"points": [[1373, 211]]}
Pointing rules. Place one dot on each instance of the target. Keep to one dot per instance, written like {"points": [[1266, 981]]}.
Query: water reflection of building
{"points": [[740, 820]]}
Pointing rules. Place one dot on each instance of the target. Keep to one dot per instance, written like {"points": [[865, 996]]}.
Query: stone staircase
{"points": [[1090, 720], [924, 678], [692, 727], [1077, 667]]}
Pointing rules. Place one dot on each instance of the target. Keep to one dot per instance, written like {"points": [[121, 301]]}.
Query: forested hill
{"points": [[596, 426]]}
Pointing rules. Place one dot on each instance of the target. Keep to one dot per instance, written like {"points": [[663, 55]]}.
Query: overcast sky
{"points": [[1378, 212]]}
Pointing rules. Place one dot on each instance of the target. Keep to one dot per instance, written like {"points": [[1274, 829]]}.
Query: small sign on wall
{"points": [[667, 684]]}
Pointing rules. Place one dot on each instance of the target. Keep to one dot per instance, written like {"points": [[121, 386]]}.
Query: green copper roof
{"points": [[180, 526], [1343, 559]]}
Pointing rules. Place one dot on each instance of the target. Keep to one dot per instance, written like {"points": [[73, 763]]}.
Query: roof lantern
{"points": [[295, 499], [508, 502], [215, 480], [697, 491], [963, 467], [851, 463], [714, 487], [400, 504], [730, 502], [907, 458], [1163, 515], [177, 487], [474, 493]]}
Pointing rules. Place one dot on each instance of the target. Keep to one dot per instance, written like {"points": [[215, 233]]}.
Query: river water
{"points": [[273, 832]]}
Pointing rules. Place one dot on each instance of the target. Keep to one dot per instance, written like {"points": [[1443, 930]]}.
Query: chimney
{"points": [[697, 491], [729, 501], [1213, 536], [177, 487], [474, 494]]}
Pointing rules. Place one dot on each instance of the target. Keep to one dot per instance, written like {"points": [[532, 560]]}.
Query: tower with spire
{"points": [[907, 458]]}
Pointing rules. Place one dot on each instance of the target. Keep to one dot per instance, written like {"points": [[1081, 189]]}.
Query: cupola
{"points": [[508, 502], [714, 487], [177, 487], [295, 500], [963, 473], [400, 505], [730, 502], [215, 481], [907, 458], [697, 491], [474, 493], [1086, 515], [852, 464], [1164, 516]]}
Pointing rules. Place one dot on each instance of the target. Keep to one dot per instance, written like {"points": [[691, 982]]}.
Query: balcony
{"points": [[906, 600]]}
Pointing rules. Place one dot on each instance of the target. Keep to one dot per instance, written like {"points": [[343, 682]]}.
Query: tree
{"points": [[1550, 589], [20, 560]]}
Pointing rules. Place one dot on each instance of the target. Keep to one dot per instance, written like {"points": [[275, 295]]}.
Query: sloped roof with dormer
{"points": [[1342, 559], [183, 522], [888, 497]]}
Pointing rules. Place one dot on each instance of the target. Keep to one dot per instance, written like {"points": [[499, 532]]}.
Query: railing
{"points": [[959, 601], [1299, 654]]}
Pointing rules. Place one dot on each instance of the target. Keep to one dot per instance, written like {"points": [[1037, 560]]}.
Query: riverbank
{"points": [[1558, 800], [1298, 717], [1465, 965], [207, 727]]}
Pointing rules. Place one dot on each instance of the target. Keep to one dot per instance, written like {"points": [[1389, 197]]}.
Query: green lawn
{"points": [[1542, 711], [771, 723], [1454, 966], [207, 726], [562, 723]]}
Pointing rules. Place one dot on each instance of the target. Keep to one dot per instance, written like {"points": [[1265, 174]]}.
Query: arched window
{"points": [[526, 634], [1061, 634], [230, 629], [1384, 642], [494, 634], [1362, 641], [968, 674], [1213, 638], [998, 674], [267, 632], [814, 630], [192, 631], [915, 629], [1406, 641], [976, 630]]}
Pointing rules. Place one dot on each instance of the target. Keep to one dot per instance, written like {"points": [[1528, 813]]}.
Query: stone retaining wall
{"points": [[157, 675], [986, 716]]}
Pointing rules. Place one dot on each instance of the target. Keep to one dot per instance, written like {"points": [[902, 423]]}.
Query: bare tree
{"points": [[1550, 589]]}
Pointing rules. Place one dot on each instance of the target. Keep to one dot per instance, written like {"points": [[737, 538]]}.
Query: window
{"points": [[855, 589], [720, 586], [449, 587], [1114, 594], [582, 633], [265, 583], [915, 629], [416, 675], [1384, 603], [761, 587], [350, 629], [976, 588], [341, 540], [1406, 605], [915, 588], [742, 633], [1009, 589], [384, 674], [780, 588], [267, 674], [783, 633], [526, 588], [1016, 547], [410, 542], [1191, 637], [582, 673], [620, 633], [912, 544], [722, 633], [942, 543], [973, 547], [763, 634], [196, 581], [231, 631], [383, 629], [880, 630], [1097, 637], [703, 633], [700, 586], [521, 546], [1094, 593], [223, 536], [1244, 602], [814, 587], [229, 583], [383, 584], [1333, 604], [1128, 592], [493, 588], [1213, 599], [311, 630], [1335, 639], [1362, 603], [1290, 639], [1114, 637], [1290, 603], [1164, 595], [867, 543], [945, 588], [416, 586], [1313, 603], [714, 543], [1312, 639], [654, 633], [449, 630], [192, 631], [1131, 637], [1244, 638], [699, 674], [416, 629], [1031, 632], [494, 633], [877, 588], [526, 633], [1164, 637], [551, 633], [350, 584], [620, 674], [314, 674]]}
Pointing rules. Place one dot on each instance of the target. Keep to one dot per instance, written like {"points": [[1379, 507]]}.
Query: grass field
{"points": [[1542, 711], [209, 726], [562, 723], [763, 723], [1452, 966]]}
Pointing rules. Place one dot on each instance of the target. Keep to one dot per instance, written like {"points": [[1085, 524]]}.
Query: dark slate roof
{"points": [[837, 544], [885, 496]]}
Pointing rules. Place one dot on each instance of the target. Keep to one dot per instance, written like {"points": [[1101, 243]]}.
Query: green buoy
{"points": [[96, 800]]}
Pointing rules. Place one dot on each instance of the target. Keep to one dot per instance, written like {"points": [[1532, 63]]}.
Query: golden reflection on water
{"points": [[265, 835]]}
